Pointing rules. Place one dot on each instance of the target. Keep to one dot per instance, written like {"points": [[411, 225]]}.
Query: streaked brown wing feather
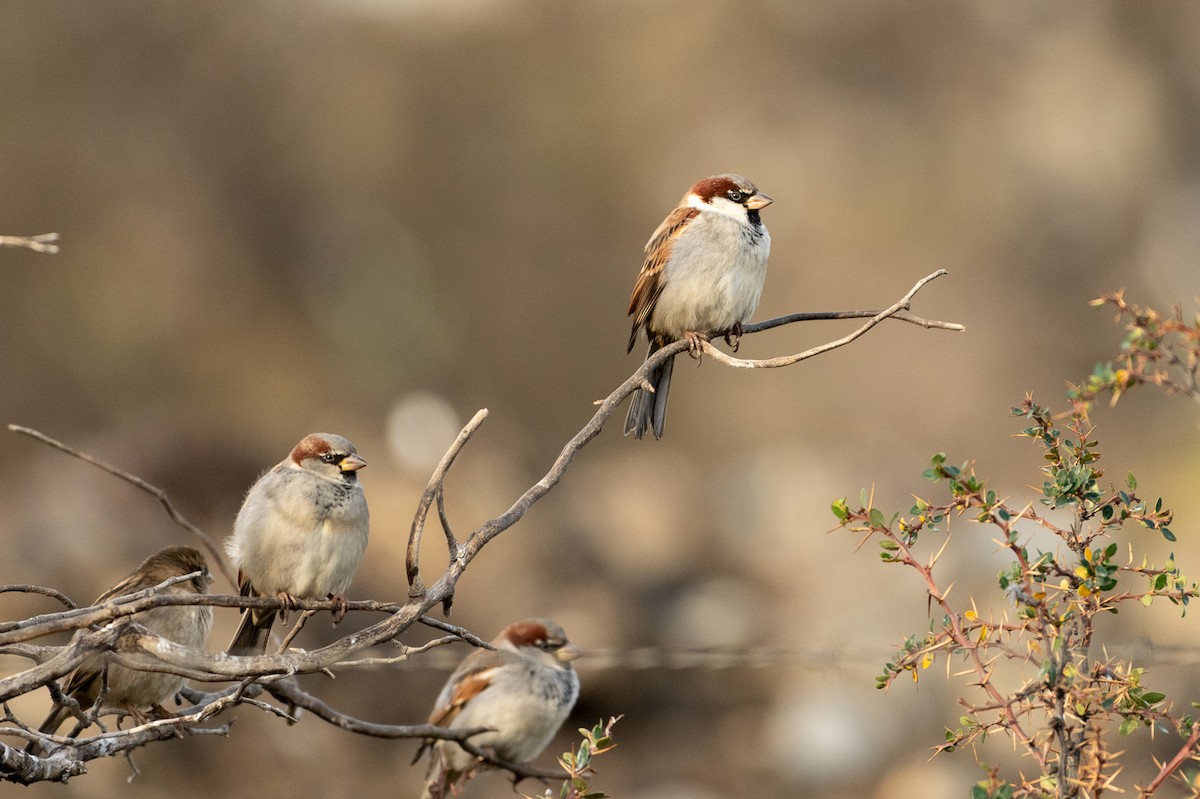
{"points": [[649, 281], [244, 587], [84, 683], [470, 686]]}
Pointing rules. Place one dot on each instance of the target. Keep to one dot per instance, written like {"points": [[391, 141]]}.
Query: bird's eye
{"points": [[330, 457], [736, 196]]}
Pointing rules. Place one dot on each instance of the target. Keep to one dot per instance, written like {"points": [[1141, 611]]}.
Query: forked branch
{"points": [[113, 631]]}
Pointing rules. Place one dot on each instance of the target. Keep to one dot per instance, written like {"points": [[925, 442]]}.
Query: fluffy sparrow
{"points": [[129, 690], [300, 533], [703, 276], [523, 689]]}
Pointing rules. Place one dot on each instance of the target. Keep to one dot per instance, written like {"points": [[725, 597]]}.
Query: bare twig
{"points": [[1185, 753], [433, 490], [608, 406], [43, 242], [877, 316], [287, 691], [38, 589], [215, 551], [460, 632], [69, 760], [822, 316], [132, 645], [296, 628], [406, 652]]}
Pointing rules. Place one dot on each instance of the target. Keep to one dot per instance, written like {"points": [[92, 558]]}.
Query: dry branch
{"points": [[43, 242], [462, 554], [217, 555], [108, 628]]}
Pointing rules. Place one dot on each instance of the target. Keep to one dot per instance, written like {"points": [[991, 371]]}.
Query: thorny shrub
{"points": [[1067, 706]]}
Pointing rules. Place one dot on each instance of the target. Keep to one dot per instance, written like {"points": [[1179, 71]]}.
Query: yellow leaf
{"points": [[970, 615], [926, 662]]}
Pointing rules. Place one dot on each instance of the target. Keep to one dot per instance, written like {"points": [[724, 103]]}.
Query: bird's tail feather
{"points": [[648, 411], [253, 633]]}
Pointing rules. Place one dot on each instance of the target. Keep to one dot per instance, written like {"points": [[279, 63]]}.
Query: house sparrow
{"points": [[523, 689], [130, 690], [300, 533], [703, 276]]}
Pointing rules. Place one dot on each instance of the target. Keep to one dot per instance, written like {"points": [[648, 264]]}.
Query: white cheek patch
{"points": [[719, 205]]}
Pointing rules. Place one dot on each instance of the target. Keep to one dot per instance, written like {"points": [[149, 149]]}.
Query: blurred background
{"points": [[375, 217]]}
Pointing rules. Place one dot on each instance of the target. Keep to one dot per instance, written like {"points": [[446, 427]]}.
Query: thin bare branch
{"points": [[902, 304], [432, 491], [38, 589], [1186, 752], [821, 316], [216, 553], [605, 409], [43, 242], [127, 643], [289, 692]]}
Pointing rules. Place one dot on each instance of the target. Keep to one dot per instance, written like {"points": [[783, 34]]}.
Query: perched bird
{"points": [[130, 690], [703, 276], [524, 689], [300, 533]]}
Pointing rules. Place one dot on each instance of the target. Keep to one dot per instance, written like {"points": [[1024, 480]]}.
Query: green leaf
{"points": [[1131, 481], [1167, 534], [877, 519], [1154, 697], [1128, 726], [840, 509]]}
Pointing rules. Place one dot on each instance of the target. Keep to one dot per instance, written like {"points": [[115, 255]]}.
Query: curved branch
{"points": [[130, 644], [903, 304], [53, 593], [215, 551], [608, 406], [435, 489]]}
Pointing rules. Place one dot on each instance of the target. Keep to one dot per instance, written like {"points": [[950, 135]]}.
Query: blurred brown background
{"points": [[376, 217]]}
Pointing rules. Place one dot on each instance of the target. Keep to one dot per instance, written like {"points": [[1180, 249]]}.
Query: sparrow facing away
{"points": [[300, 533], [703, 276], [129, 690], [524, 689]]}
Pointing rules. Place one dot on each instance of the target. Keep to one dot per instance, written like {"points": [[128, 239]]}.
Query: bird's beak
{"points": [[759, 200], [567, 652], [352, 463]]}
